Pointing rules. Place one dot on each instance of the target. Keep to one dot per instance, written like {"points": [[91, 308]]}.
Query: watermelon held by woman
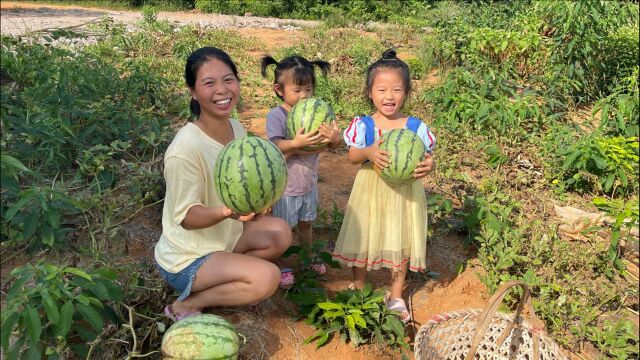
{"points": [[309, 114], [406, 150], [250, 175], [202, 337]]}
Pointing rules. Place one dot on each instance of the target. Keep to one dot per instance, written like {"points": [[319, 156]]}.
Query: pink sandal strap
{"points": [[168, 311]]}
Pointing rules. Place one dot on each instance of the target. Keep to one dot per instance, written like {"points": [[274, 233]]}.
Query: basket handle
{"points": [[485, 318]]}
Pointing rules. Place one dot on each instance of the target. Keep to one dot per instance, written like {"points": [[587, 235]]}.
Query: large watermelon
{"points": [[250, 175], [309, 114], [202, 337], [406, 150]]}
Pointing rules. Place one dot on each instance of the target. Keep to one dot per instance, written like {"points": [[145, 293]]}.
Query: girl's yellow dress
{"points": [[384, 225]]}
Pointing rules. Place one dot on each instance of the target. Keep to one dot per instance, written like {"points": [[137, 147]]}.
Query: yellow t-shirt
{"points": [[188, 172]]}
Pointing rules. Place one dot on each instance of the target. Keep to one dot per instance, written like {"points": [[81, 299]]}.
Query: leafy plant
{"points": [[627, 216], [50, 309], [620, 111], [38, 213], [358, 316], [617, 339], [609, 162], [330, 221]]}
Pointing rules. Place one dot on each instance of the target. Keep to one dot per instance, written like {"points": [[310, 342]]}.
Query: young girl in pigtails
{"points": [[294, 80], [385, 225]]}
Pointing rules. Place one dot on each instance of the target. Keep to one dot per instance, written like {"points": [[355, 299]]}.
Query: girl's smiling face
{"points": [[216, 89], [388, 91]]}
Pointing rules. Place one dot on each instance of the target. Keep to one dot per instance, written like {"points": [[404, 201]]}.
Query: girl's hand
{"points": [[331, 134], [301, 139], [379, 158], [424, 167], [228, 213]]}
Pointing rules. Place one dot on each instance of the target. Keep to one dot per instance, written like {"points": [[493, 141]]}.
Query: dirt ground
{"points": [[284, 338]]}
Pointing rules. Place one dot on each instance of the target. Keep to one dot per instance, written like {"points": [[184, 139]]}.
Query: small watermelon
{"points": [[309, 114], [202, 337], [250, 175], [406, 150]]}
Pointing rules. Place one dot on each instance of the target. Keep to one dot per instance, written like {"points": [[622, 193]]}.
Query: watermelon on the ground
{"points": [[309, 114], [250, 175], [202, 337], [406, 150]]}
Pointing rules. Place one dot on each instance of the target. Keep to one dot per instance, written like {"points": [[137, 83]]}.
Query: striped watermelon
{"points": [[406, 150], [309, 114], [250, 175], [203, 337]]}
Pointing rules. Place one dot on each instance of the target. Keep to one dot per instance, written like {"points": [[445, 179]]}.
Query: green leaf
{"points": [[13, 162], [47, 236], [99, 290], [313, 336], [30, 225], [570, 159], [33, 353], [366, 291], [359, 320], [351, 324], [16, 288], [91, 315], [395, 325], [78, 272], [322, 340], [329, 306], [49, 306], [17, 206], [66, 317], [7, 327], [32, 322]]}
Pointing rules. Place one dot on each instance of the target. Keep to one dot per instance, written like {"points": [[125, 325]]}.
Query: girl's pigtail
{"points": [[265, 62], [323, 65]]}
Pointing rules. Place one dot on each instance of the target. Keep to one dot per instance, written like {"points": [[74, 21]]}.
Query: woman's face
{"points": [[217, 89]]}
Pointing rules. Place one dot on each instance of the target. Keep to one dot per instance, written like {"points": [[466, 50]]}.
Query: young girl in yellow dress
{"points": [[384, 225]]}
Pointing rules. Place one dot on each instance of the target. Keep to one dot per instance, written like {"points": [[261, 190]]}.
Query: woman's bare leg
{"points": [[244, 276]]}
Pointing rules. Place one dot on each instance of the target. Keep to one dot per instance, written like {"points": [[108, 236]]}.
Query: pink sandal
{"points": [[286, 278], [400, 306], [168, 311]]}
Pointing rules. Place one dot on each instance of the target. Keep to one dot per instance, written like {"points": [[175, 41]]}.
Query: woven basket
{"points": [[487, 334]]}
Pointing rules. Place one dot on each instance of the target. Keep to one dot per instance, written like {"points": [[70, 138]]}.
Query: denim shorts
{"points": [[183, 280], [297, 208]]}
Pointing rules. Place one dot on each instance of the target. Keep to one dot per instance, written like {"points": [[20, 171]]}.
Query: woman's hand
{"points": [[228, 213], [331, 134], [379, 158], [424, 167], [301, 139]]}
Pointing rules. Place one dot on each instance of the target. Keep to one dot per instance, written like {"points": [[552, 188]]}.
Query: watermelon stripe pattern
{"points": [[309, 114], [204, 336], [406, 150], [250, 175]]}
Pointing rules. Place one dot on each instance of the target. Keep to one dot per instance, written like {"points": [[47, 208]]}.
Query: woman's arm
{"points": [[200, 217]]}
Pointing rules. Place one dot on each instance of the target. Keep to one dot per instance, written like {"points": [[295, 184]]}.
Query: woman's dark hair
{"points": [[301, 69], [389, 60], [196, 60]]}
